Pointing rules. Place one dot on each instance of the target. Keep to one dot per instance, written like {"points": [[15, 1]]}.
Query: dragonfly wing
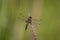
{"points": [[36, 23], [21, 19], [23, 15], [36, 20]]}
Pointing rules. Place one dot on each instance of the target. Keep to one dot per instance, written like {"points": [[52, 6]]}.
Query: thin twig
{"points": [[34, 34]]}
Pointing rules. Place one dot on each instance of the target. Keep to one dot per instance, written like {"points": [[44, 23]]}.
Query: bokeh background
{"points": [[12, 26]]}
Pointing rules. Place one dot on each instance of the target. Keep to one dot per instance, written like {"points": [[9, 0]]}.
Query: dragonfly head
{"points": [[30, 17]]}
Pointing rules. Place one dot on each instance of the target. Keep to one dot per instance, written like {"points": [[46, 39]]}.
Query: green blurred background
{"points": [[12, 27]]}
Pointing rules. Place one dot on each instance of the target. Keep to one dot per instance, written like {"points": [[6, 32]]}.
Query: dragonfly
{"points": [[28, 20]]}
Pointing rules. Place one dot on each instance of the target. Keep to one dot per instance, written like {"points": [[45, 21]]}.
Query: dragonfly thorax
{"points": [[29, 20]]}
